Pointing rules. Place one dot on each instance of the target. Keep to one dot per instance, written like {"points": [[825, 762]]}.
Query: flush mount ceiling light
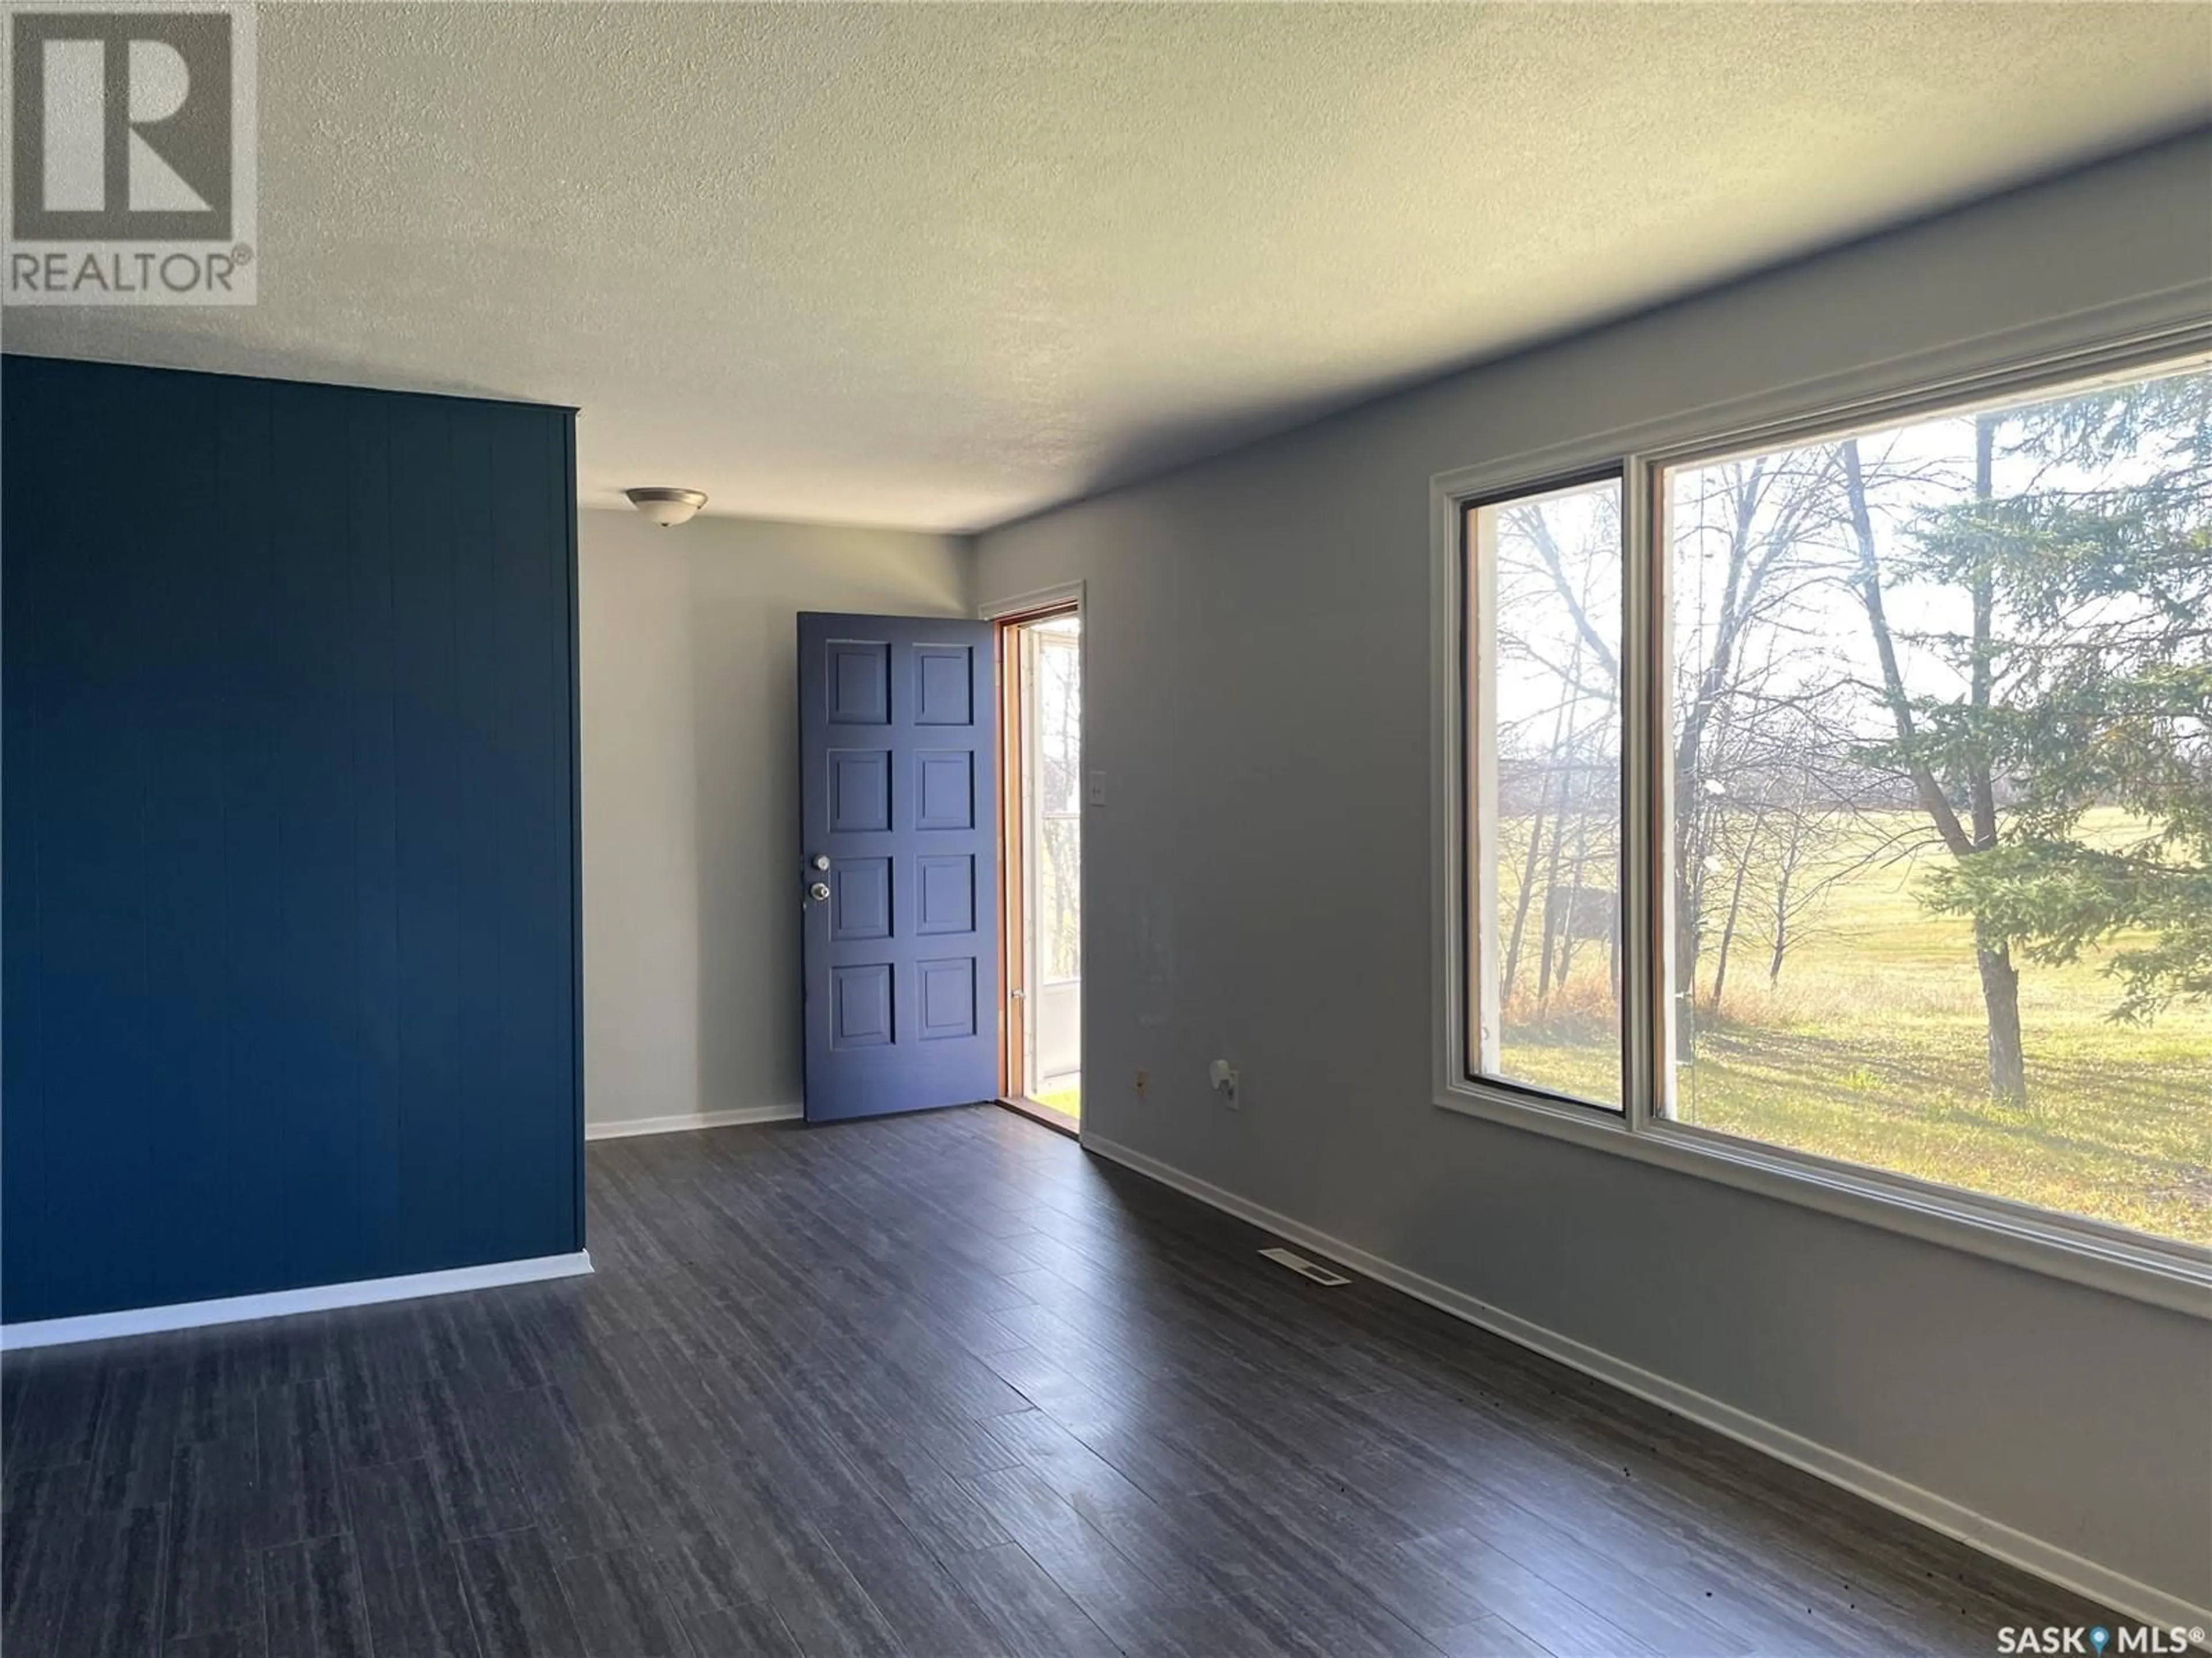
{"points": [[667, 507]]}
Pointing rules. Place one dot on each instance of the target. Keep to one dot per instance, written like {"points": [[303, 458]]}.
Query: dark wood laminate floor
{"points": [[940, 1385]]}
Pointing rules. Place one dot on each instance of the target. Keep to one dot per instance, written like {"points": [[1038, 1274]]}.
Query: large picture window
{"points": [[1923, 709]]}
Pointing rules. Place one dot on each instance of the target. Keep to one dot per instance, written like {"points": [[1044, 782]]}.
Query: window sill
{"points": [[2174, 1276]]}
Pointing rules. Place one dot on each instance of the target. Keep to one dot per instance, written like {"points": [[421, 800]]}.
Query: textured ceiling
{"points": [[939, 266]]}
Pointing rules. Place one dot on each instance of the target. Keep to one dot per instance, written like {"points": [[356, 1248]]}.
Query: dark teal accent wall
{"points": [[288, 939]]}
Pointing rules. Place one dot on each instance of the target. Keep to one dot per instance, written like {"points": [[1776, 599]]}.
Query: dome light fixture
{"points": [[667, 507]]}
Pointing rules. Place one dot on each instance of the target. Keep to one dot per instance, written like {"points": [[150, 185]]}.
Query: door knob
{"points": [[820, 892]]}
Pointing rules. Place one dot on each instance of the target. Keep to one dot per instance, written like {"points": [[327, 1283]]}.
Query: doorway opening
{"points": [[1041, 802]]}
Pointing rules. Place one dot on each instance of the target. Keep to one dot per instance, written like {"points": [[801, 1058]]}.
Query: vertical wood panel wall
{"points": [[290, 940]]}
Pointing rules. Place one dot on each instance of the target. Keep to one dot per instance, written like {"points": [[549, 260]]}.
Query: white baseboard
{"points": [[2046, 1560], [277, 1303], [624, 1127]]}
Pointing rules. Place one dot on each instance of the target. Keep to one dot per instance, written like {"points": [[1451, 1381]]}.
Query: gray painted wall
{"points": [[689, 727], [1259, 890]]}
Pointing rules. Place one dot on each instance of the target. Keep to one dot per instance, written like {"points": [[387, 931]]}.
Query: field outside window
{"points": [[1934, 871]]}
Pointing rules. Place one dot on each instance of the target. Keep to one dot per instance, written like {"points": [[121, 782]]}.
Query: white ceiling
{"points": [[941, 265]]}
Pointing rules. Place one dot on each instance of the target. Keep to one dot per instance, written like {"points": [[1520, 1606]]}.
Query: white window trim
{"points": [[2161, 1272]]}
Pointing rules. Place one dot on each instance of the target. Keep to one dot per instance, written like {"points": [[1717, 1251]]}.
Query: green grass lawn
{"points": [[1872, 1050]]}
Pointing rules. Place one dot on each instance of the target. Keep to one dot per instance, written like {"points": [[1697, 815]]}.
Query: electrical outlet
{"points": [[1144, 1084], [1225, 1080]]}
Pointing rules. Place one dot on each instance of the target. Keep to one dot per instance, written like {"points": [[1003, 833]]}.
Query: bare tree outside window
{"points": [[1954, 772], [1549, 718]]}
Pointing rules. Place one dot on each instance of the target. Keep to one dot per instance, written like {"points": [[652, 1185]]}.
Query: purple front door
{"points": [[898, 843]]}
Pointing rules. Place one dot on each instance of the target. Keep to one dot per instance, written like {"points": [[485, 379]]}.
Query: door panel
{"points": [[897, 745]]}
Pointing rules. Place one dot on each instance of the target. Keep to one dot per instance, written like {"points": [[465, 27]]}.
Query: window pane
{"points": [[1941, 880], [1545, 848], [1056, 673], [1059, 886], [1051, 860]]}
